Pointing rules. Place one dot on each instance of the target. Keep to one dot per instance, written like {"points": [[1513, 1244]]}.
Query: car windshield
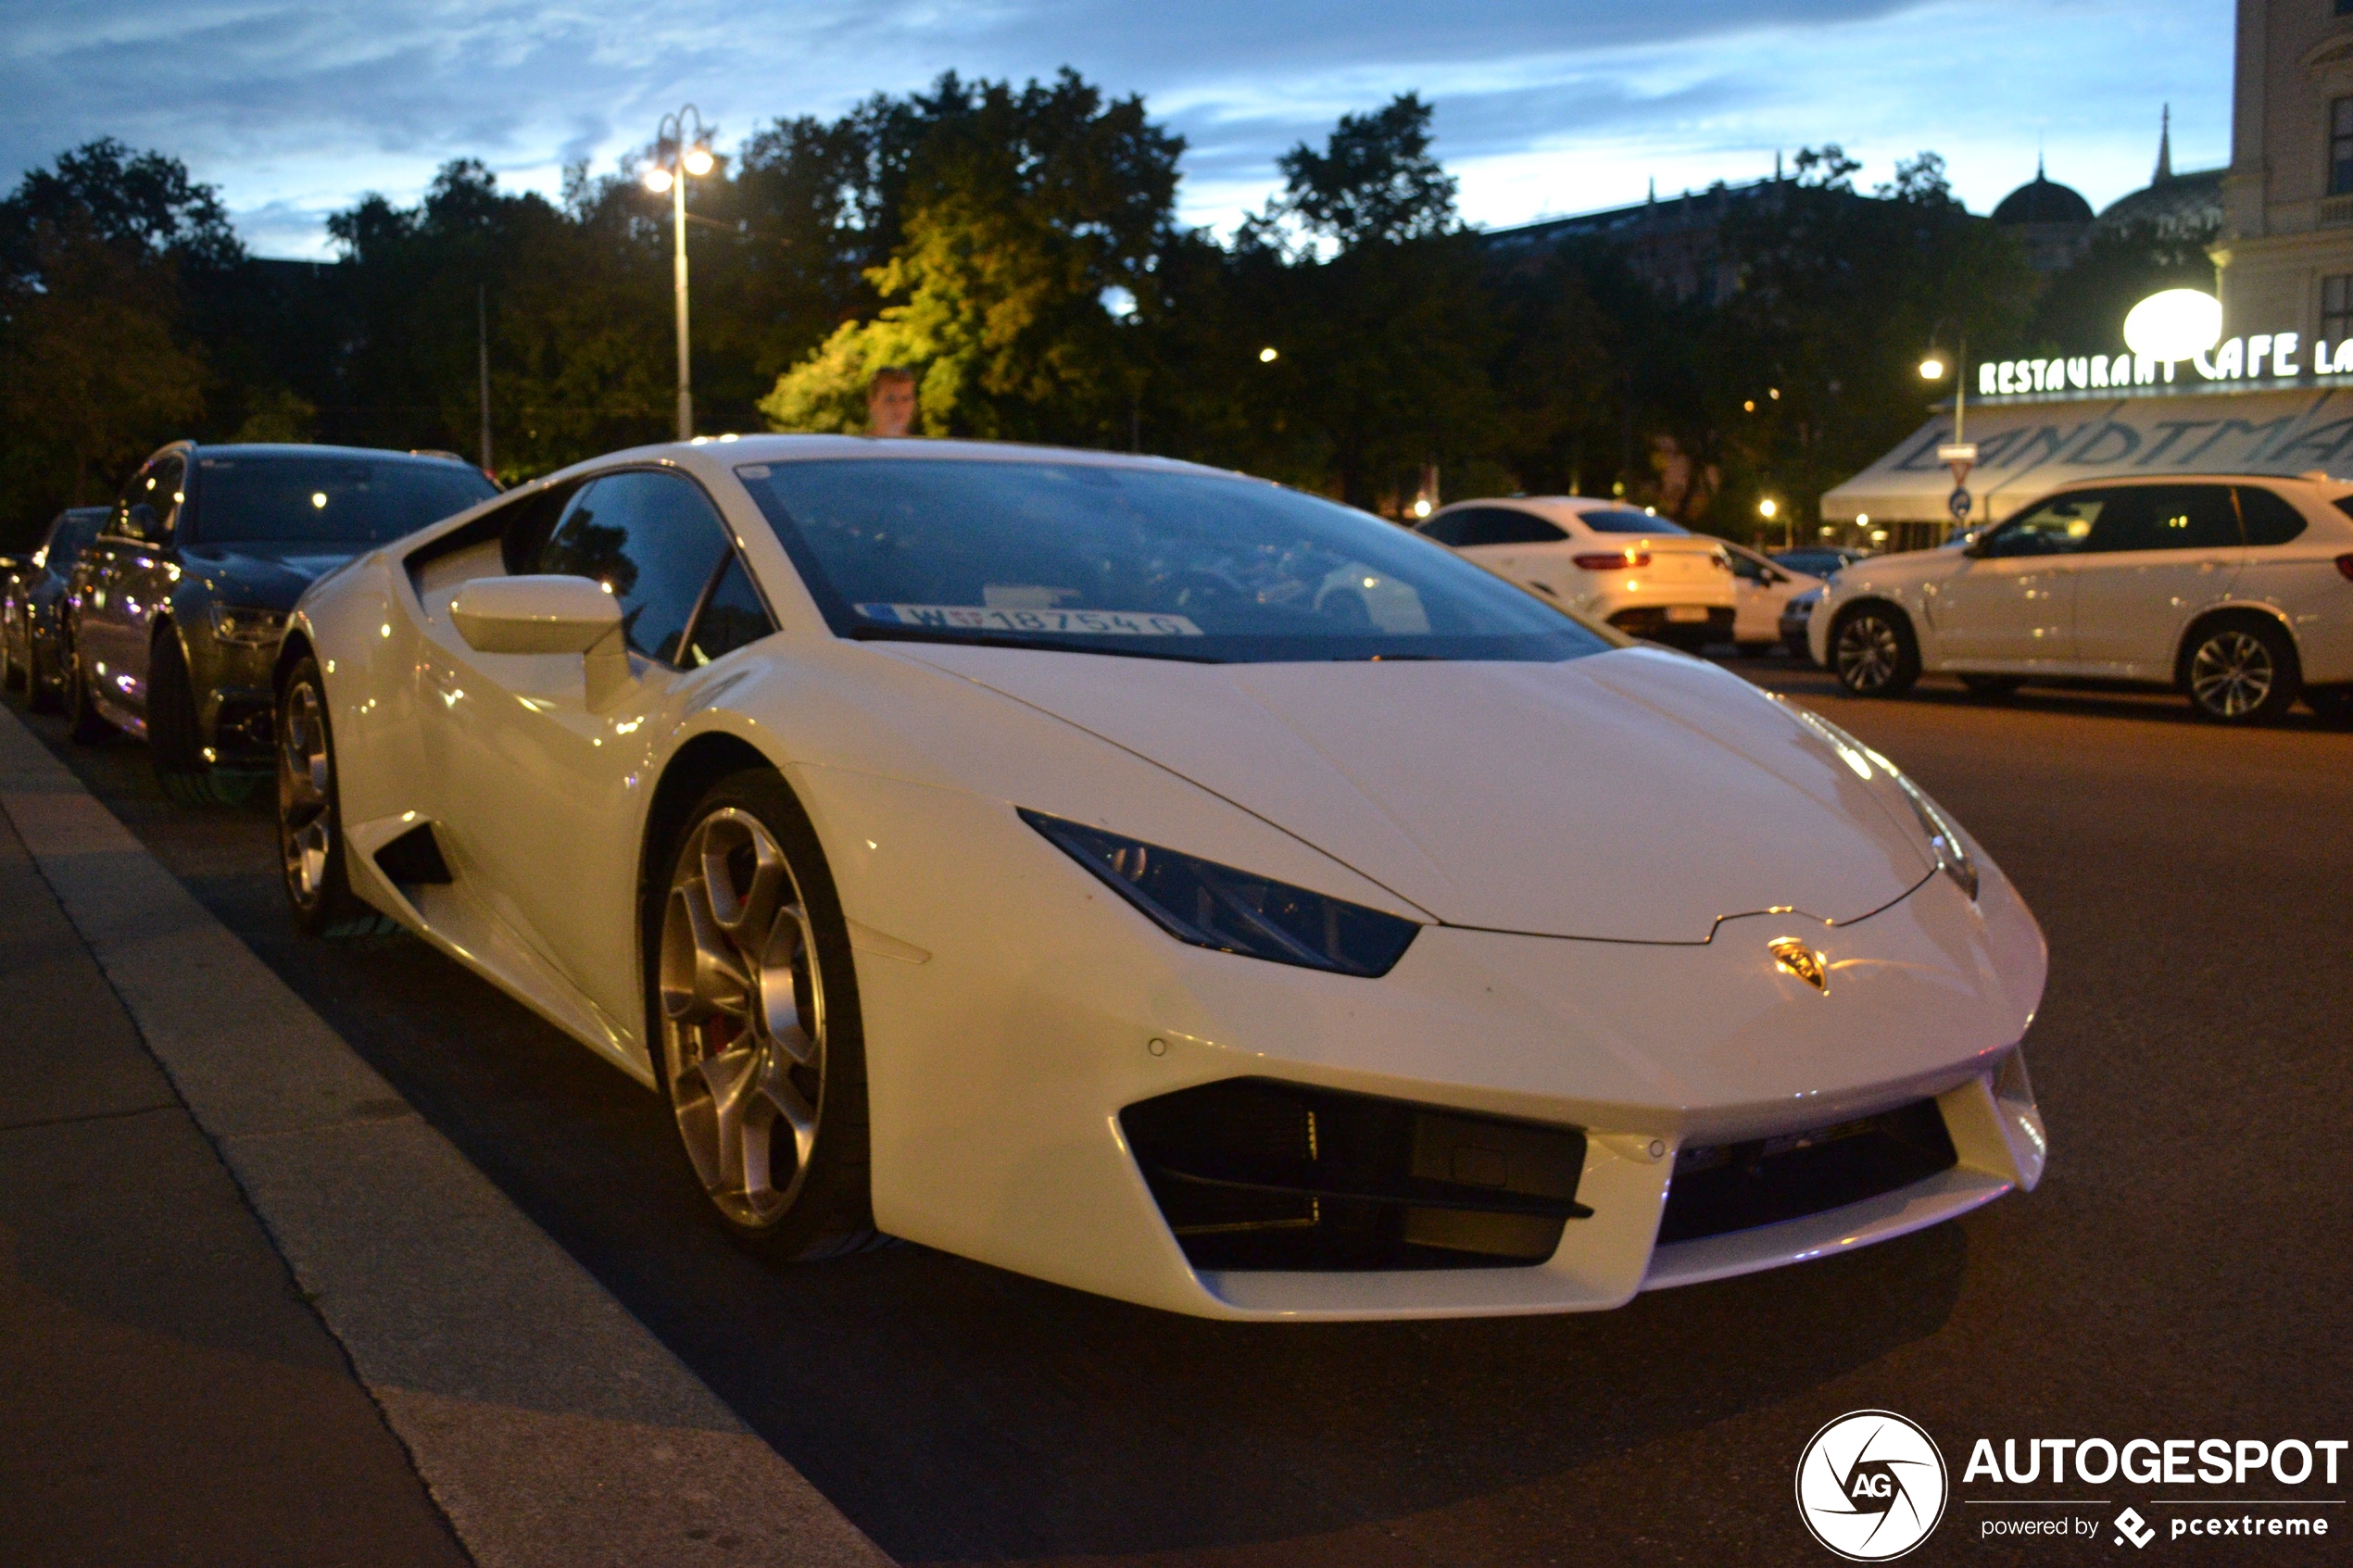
{"points": [[1626, 519], [1141, 562], [327, 500], [74, 536]]}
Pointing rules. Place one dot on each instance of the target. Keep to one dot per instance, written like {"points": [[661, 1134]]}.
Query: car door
{"points": [[123, 587], [2159, 554], [2010, 604], [1760, 590], [542, 792]]}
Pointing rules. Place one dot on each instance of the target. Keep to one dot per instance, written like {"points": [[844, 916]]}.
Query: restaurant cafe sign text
{"points": [[2262, 357]]}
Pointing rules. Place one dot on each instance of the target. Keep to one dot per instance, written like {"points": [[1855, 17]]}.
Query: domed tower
{"points": [[2052, 222]]}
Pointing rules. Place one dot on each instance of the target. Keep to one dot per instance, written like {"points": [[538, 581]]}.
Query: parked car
{"points": [[1121, 871], [1797, 617], [31, 630], [1761, 592], [175, 611], [2237, 591], [1606, 560], [1824, 561]]}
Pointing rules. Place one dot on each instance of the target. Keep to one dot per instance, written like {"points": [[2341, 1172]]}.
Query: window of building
{"points": [[2341, 148], [2336, 303]]}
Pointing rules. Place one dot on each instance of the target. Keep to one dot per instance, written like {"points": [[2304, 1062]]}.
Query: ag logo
{"points": [[1870, 1485]]}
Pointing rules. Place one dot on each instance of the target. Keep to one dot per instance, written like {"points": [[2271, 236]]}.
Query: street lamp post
{"points": [[1957, 455], [687, 157]]}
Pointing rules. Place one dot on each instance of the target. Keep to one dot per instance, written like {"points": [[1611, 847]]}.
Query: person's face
{"points": [[890, 407]]}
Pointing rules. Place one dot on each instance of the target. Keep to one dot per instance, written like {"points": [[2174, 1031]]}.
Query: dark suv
{"points": [[173, 614]]}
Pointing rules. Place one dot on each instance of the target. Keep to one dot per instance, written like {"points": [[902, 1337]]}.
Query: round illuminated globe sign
{"points": [[2175, 324]]}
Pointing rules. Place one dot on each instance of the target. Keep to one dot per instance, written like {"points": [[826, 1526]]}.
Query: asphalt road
{"points": [[2184, 1270]]}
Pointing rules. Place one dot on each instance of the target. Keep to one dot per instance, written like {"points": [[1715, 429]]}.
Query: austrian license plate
{"points": [[1686, 612]]}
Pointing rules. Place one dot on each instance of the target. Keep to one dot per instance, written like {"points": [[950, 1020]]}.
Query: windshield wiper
{"points": [[1120, 648]]}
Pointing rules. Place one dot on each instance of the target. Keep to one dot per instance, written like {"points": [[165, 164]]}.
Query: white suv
{"points": [[1605, 560], [2237, 591]]}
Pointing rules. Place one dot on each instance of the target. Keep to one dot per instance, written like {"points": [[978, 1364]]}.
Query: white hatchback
{"points": [[1605, 560], [2238, 592]]}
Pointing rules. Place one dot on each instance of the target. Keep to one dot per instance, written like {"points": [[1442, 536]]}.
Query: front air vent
{"points": [[1726, 1187], [413, 859], [1250, 1173]]}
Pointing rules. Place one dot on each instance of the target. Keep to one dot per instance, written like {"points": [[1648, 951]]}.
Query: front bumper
{"points": [[1013, 1009]]}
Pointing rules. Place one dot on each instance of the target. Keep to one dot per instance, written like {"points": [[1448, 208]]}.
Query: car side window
{"points": [[1745, 569], [732, 616], [2167, 517], [653, 540], [1447, 528], [2270, 516], [2057, 527], [151, 505], [1503, 525]]}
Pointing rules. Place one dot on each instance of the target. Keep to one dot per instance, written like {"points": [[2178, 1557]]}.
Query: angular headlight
{"points": [[248, 628], [1214, 906], [1943, 840]]}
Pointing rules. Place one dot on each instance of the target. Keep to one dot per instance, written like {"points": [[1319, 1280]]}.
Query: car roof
{"points": [[309, 449]]}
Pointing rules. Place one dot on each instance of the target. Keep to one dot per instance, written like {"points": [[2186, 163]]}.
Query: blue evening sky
{"points": [[1542, 105]]}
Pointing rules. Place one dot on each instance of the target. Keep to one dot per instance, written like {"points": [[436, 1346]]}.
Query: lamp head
{"points": [[1931, 369], [2173, 324], [658, 180], [698, 160]]}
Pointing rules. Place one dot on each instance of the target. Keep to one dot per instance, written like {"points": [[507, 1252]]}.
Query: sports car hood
{"points": [[269, 576], [1632, 795]]}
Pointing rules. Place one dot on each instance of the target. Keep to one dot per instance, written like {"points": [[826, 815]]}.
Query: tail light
{"points": [[1617, 560], [2344, 564]]}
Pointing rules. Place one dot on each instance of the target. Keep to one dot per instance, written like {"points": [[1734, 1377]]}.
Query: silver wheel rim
{"points": [[743, 1007], [1867, 653], [305, 827], [2232, 674]]}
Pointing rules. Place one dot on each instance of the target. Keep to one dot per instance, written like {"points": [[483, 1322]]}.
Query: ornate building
{"points": [[2052, 222], [2285, 253]]}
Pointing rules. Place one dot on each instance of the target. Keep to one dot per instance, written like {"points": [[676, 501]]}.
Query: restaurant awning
{"points": [[2026, 451]]}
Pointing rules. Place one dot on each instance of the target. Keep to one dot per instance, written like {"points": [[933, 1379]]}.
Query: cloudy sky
{"points": [[1543, 106]]}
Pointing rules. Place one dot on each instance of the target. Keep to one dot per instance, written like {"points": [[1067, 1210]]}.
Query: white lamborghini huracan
{"points": [[1157, 881]]}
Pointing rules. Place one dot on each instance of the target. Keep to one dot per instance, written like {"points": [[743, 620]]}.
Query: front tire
{"points": [[84, 723], [311, 842], [175, 738], [756, 1039], [1873, 652], [44, 690], [2241, 670]]}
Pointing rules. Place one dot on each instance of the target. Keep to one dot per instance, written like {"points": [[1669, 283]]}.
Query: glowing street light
{"points": [[1267, 356], [690, 153], [1768, 508], [2173, 324], [1931, 369]]}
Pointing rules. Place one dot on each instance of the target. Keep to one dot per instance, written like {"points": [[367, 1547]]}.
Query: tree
{"points": [[1374, 182], [1020, 212], [94, 368]]}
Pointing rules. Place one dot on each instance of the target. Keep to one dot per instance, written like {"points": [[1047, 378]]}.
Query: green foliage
{"points": [[1375, 181], [1019, 210]]}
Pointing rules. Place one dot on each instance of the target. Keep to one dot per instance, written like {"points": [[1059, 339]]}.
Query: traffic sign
{"points": [[1959, 504], [1960, 456]]}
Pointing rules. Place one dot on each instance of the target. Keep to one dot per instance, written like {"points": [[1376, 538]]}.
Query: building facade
{"points": [[2285, 254]]}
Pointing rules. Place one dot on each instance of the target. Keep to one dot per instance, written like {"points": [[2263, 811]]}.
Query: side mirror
{"points": [[559, 615], [1977, 544]]}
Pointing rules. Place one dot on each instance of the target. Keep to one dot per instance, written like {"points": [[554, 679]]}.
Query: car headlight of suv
{"points": [[248, 627], [1943, 839], [1233, 912]]}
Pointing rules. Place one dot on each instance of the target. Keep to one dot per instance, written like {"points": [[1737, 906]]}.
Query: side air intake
{"points": [[1250, 1173], [413, 859]]}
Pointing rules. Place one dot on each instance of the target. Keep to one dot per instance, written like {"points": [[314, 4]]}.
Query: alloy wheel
{"points": [[305, 827], [1869, 653], [2232, 674], [743, 1018]]}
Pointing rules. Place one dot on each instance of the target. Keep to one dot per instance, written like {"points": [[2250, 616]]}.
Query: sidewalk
{"points": [[255, 1312], [166, 1395]]}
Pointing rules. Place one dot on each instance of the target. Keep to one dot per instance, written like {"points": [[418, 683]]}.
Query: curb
{"points": [[549, 1426]]}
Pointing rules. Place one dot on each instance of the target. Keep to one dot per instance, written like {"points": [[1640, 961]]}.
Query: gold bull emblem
{"points": [[1794, 956]]}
